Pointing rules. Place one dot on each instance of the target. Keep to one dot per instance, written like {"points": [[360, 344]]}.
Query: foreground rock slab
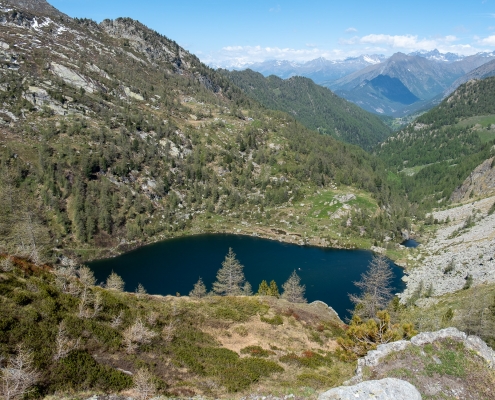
{"points": [[384, 389]]}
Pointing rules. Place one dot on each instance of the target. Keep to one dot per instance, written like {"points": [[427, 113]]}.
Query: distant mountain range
{"points": [[396, 86]]}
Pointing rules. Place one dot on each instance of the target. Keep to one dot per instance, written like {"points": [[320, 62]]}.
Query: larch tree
{"points": [[115, 282], [376, 289], [230, 278], [19, 375], [199, 290], [293, 290]]}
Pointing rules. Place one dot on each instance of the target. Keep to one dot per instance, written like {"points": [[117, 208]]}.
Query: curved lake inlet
{"points": [[173, 266]]}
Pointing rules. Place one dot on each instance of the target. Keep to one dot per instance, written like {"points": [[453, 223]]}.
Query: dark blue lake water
{"points": [[175, 265], [411, 243]]}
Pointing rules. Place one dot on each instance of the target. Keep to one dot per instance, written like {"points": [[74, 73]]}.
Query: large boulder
{"points": [[384, 389]]}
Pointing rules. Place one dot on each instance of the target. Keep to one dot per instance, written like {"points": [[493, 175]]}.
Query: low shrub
{"points": [[276, 320], [80, 371], [256, 351]]}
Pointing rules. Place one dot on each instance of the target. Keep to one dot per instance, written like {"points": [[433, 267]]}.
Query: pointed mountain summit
{"points": [[35, 7]]}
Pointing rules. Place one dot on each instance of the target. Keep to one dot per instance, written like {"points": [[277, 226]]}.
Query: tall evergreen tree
{"points": [[230, 278]]}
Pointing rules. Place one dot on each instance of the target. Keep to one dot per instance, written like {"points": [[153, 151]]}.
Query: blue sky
{"points": [[222, 32]]}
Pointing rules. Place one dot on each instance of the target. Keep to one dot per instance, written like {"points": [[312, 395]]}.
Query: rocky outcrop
{"points": [[464, 247], [474, 343], [36, 6], [481, 182], [384, 389]]}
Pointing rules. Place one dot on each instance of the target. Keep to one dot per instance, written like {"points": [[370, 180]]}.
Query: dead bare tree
{"points": [[143, 384], [136, 335], [65, 279], [117, 320], [376, 290], [63, 343], [19, 376]]}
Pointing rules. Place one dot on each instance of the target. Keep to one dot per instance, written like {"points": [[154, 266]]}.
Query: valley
{"points": [[141, 190]]}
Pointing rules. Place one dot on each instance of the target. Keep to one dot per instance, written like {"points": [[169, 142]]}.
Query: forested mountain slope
{"points": [[314, 106], [114, 136], [440, 149]]}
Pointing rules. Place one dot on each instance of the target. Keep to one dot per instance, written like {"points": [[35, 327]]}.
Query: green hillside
{"points": [[314, 106], [434, 154]]}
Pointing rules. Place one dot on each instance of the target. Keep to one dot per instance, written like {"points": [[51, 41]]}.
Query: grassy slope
{"points": [[217, 346], [314, 106]]}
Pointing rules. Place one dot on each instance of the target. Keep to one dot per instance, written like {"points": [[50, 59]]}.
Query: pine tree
{"points": [[230, 277], [273, 290], [199, 290], [293, 291], [263, 289]]}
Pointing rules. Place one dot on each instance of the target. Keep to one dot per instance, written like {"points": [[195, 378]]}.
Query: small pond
{"points": [[173, 266], [411, 243]]}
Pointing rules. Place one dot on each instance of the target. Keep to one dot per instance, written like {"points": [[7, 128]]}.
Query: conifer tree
{"points": [[247, 289], [199, 290], [263, 288], [376, 289], [293, 291], [230, 278], [115, 282], [273, 290]]}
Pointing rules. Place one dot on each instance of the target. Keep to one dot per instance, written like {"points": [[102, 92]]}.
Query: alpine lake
{"points": [[173, 266]]}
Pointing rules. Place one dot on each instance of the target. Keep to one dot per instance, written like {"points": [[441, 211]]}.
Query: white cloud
{"points": [[488, 41], [351, 30], [275, 9], [239, 56]]}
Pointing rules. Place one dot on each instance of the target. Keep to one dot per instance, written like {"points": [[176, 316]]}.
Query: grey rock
{"points": [[430, 337], [477, 345], [384, 389]]}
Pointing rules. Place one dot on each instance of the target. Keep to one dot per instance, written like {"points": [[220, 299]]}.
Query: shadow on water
{"points": [[175, 265]]}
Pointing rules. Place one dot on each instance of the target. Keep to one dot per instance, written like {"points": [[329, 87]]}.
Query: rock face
{"points": [[384, 389], [474, 343], [480, 182], [459, 250], [36, 6]]}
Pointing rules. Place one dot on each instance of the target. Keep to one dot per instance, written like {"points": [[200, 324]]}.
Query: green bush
{"points": [[80, 371], [308, 359]]}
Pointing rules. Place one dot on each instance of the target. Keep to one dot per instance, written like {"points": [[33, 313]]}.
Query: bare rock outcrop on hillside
{"points": [[35, 6], [481, 182], [462, 250], [384, 389]]}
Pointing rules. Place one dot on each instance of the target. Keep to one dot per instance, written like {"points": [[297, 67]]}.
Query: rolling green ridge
{"points": [[314, 106]]}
